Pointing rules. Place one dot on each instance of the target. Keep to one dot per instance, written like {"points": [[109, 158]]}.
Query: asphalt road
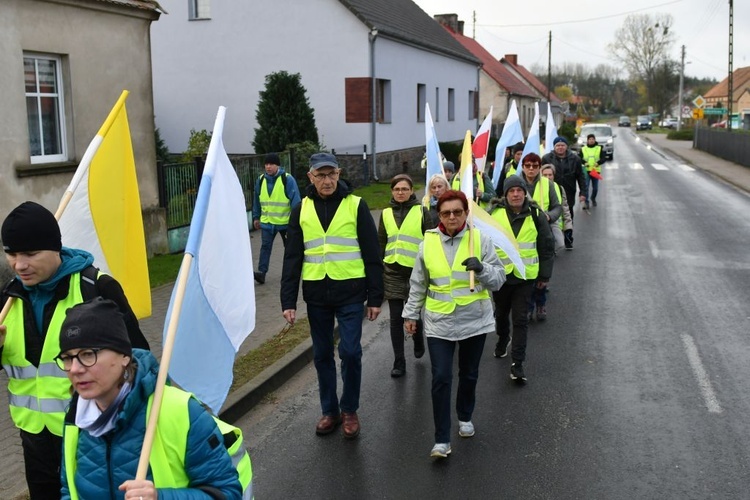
{"points": [[638, 381]]}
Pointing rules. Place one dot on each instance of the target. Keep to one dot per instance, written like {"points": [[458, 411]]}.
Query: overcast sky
{"points": [[582, 29]]}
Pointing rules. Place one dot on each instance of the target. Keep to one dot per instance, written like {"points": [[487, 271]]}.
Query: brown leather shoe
{"points": [[351, 425], [327, 424]]}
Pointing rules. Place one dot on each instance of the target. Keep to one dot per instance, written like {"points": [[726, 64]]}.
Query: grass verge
{"points": [[251, 364], [378, 194], [163, 269]]}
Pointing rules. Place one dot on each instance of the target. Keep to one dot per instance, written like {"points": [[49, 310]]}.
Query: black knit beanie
{"points": [[97, 323], [514, 181], [31, 227]]}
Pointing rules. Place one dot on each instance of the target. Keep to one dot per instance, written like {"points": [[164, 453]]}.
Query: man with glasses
{"points": [[49, 279], [332, 245]]}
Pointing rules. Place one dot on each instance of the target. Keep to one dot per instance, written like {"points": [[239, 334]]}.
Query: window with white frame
{"points": [[451, 105], [383, 101], [45, 108], [199, 9]]}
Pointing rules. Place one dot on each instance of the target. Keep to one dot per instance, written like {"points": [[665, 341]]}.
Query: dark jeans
{"points": [[396, 307], [594, 183], [42, 455], [571, 195], [511, 300], [538, 297], [267, 234], [441, 357], [349, 318]]}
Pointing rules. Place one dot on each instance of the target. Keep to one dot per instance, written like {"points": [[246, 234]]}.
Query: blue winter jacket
{"points": [[104, 463]]}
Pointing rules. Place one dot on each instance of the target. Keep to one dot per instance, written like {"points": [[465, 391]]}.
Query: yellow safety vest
{"points": [[541, 193], [274, 208], [403, 242], [480, 185], [449, 283], [334, 253], [560, 220], [38, 396], [167, 459], [526, 245], [591, 158]]}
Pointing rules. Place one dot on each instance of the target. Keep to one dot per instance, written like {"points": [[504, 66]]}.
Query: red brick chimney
{"points": [[511, 58]]}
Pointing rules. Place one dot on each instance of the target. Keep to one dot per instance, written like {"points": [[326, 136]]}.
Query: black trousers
{"points": [[42, 456], [396, 307], [512, 301]]}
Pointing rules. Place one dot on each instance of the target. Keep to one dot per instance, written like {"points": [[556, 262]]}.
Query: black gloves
{"points": [[473, 264]]}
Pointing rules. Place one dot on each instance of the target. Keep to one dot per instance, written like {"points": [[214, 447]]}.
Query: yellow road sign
{"points": [[699, 101], [697, 114]]}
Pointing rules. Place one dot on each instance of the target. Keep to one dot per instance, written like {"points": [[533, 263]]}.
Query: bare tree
{"points": [[642, 44]]}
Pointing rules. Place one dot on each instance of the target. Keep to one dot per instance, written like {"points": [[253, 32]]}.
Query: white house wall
{"points": [[199, 65]]}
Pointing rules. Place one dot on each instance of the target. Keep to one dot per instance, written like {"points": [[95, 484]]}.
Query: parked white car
{"points": [[668, 123]]}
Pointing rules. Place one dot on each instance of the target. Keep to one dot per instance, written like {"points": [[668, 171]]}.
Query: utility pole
{"points": [[474, 25], [679, 94], [549, 69], [731, 69]]}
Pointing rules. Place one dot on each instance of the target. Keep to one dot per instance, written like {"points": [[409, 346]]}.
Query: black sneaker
{"points": [[516, 372], [593, 202], [260, 278], [568, 245], [500, 350]]}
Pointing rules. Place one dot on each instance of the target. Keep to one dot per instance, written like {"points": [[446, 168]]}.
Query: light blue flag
{"points": [[218, 309], [434, 157], [511, 135], [532, 141], [550, 131]]}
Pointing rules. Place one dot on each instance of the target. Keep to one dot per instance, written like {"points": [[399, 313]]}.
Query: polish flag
{"points": [[482, 142]]}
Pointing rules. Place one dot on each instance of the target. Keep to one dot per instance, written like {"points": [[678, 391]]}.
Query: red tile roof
{"points": [[492, 66], [740, 81]]}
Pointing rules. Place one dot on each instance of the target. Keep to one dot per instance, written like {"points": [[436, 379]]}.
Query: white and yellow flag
{"points": [[101, 209]]}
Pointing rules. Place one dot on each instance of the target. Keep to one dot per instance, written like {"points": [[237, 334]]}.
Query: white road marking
{"points": [[686, 168], [611, 166], [707, 390], [636, 166], [659, 166]]}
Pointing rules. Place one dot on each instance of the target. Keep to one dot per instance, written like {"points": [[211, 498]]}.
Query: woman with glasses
{"points": [[456, 316], [106, 420], [401, 230]]}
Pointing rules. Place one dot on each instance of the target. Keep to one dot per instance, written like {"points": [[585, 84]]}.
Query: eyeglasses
{"points": [[85, 357], [330, 175], [401, 190], [531, 165], [444, 214]]}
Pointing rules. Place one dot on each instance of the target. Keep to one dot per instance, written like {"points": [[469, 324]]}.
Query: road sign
{"points": [[697, 114], [715, 111], [699, 101]]}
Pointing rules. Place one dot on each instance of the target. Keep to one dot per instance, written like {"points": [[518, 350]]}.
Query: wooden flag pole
{"points": [[166, 358], [470, 223]]}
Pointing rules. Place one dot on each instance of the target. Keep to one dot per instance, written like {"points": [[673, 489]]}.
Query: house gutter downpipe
{"points": [[373, 117]]}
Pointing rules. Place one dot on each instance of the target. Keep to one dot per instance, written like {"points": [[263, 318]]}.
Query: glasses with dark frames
{"points": [[85, 357], [457, 212]]}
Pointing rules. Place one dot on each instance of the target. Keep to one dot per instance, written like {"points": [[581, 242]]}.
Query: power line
{"points": [[576, 21]]}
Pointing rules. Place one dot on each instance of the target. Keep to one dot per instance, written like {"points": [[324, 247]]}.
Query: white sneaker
{"points": [[441, 450], [465, 429]]}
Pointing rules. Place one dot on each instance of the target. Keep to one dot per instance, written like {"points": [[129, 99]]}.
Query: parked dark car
{"points": [[643, 122], [624, 121]]}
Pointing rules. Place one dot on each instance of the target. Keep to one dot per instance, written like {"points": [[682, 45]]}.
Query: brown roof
{"points": [[137, 4], [740, 81], [533, 81], [492, 66]]}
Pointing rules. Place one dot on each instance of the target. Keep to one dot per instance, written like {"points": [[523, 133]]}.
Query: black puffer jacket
{"points": [[568, 172], [396, 276], [328, 292]]}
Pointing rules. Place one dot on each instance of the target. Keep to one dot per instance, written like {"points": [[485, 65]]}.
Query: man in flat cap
{"points": [[49, 279], [273, 202], [333, 246]]}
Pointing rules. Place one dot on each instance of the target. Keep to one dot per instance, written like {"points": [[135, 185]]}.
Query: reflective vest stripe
{"points": [[335, 252], [591, 157], [560, 220], [36, 404], [274, 208], [527, 245], [541, 193], [402, 251], [404, 237], [29, 372]]}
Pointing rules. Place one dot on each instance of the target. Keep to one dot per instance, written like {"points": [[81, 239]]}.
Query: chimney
{"points": [[451, 22], [512, 58]]}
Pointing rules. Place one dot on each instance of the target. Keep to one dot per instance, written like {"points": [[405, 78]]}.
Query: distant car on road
{"points": [[643, 122], [624, 121], [604, 137], [668, 123]]}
